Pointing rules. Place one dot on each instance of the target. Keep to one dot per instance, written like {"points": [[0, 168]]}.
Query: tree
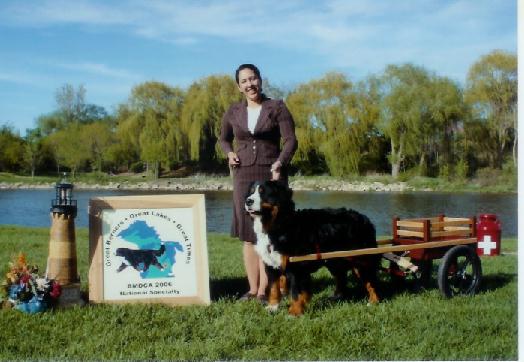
{"points": [[126, 151], [272, 91], [373, 146], [33, 149], [152, 148], [50, 123], [71, 108], [447, 111], [308, 158], [342, 136], [99, 137], [69, 147], [491, 90], [404, 109], [149, 124], [11, 149], [327, 125], [206, 102], [70, 102]]}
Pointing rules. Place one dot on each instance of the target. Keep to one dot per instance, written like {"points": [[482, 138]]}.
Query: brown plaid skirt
{"points": [[242, 224]]}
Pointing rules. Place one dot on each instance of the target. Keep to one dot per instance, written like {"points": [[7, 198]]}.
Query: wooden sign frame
{"points": [[148, 249]]}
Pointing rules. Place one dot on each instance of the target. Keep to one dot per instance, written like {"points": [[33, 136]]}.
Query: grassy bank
{"points": [[405, 326]]}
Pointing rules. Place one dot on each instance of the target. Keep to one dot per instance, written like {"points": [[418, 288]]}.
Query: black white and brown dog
{"points": [[283, 231], [140, 260]]}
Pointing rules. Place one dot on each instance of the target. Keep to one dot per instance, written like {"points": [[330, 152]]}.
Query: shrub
{"points": [[461, 170], [445, 172], [137, 167]]}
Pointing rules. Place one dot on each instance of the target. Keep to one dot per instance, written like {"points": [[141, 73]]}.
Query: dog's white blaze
{"points": [[264, 248], [257, 202]]}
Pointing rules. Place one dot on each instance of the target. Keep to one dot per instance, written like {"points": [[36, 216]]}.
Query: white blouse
{"points": [[252, 117]]}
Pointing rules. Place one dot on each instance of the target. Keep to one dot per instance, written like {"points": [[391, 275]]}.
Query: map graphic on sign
{"points": [[153, 257]]}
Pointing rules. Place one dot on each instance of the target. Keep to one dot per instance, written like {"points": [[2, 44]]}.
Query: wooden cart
{"points": [[417, 242]]}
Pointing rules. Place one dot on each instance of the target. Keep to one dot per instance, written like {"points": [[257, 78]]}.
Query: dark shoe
{"points": [[262, 299], [247, 296]]}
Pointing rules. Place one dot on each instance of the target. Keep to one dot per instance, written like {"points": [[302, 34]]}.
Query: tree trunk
{"points": [[515, 151], [500, 157], [395, 169], [422, 164], [156, 169], [396, 159], [515, 137]]}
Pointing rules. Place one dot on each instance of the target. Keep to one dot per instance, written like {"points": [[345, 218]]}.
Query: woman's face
{"points": [[249, 84]]}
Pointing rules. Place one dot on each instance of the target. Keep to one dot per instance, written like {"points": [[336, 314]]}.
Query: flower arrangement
{"points": [[24, 290]]}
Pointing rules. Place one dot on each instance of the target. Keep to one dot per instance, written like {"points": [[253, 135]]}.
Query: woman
{"points": [[258, 125]]}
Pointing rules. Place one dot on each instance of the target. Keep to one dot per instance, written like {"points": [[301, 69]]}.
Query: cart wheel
{"points": [[459, 272]]}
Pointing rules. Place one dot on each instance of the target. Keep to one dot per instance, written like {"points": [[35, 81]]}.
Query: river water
{"points": [[31, 207]]}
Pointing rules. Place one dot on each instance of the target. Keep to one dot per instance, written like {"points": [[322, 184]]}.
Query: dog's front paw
{"points": [[272, 308]]}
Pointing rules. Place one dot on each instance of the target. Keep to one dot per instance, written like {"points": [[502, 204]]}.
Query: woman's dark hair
{"points": [[248, 66]]}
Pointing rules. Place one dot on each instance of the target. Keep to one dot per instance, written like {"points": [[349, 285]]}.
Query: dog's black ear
{"points": [[279, 185], [251, 188], [285, 195]]}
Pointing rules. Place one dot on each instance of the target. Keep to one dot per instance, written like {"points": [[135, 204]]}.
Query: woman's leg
{"points": [[262, 286], [252, 266]]}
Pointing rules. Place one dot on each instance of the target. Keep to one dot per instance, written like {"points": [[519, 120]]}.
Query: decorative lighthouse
{"points": [[62, 260]]}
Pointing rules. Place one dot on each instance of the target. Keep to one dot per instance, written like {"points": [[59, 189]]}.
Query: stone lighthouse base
{"points": [[70, 296]]}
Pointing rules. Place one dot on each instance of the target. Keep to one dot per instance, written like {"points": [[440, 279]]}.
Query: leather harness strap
{"points": [[317, 248], [284, 261]]}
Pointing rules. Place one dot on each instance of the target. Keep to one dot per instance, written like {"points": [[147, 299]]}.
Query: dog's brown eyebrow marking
{"points": [[266, 205]]}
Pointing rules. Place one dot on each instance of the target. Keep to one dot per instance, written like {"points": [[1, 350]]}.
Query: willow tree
{"points": [[341, 144], [11, 149], [447, 112], [69, 147], [308, 158], [206, 102], [149, 124], [404, 109], [32, 149], [126, 151], [491, 90], [373, 145], [327, 124], [99, 138]]}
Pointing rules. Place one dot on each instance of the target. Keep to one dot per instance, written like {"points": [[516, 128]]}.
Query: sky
{"points": [[110, 46]]}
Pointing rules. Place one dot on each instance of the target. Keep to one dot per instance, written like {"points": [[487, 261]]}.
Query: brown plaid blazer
{"points": [[263, 146]]}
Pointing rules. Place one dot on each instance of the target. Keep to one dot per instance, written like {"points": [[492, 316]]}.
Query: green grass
{"points": [[406, 325], [88, 178]]}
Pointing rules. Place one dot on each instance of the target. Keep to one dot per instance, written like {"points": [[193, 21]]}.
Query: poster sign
{"points": [[149, 249]]}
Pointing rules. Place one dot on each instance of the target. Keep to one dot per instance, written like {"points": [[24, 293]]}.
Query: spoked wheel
{"points": [[459, 272]]}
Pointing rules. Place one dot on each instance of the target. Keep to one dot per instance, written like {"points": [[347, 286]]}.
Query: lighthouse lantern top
{"points": [[63, 202]]}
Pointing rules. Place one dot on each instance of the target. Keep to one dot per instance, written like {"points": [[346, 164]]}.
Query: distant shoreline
{"points": [[223, 183], [217, 185]]}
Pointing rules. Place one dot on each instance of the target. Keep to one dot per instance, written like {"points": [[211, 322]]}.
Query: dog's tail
{"points": [[161, 250]]}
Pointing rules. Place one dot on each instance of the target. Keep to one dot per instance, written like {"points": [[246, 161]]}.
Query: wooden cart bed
{"points": [[424, 238]]}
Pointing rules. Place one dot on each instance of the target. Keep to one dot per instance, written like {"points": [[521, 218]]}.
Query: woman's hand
{"points": [[233, 160], [275, 170]]}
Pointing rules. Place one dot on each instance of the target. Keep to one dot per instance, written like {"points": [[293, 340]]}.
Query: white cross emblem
{"points": [[486, 245]]}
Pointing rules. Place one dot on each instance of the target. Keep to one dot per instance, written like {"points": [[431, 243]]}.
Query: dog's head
{"points": [[122, 252], [269, 198]]}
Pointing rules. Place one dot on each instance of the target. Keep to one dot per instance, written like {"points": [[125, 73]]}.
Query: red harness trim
{"points": [[317, 247]]}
